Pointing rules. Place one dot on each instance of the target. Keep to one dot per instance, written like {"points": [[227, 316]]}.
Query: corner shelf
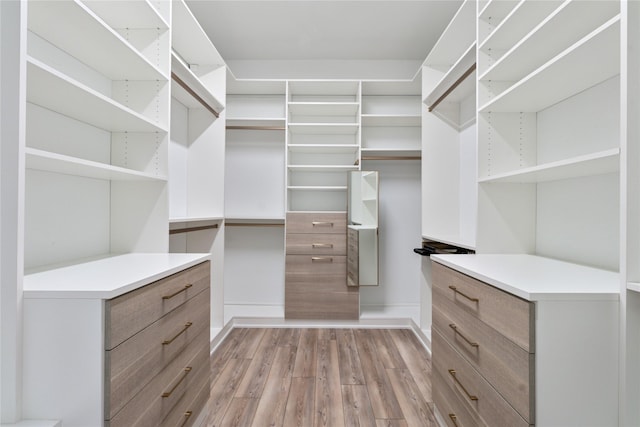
{"points": [[195, 94], [190, 40]]}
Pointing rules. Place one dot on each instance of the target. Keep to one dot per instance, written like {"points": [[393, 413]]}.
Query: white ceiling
{"points": [[324, 29]]}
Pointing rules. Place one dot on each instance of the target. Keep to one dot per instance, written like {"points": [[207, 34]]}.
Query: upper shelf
{"points": [[55, 91], [324, 88], [550, 37], [525, 16], [128, 13], [455, 39], [74, 28], [187, 88], [593, 59], [453, 78], [189, 39]]}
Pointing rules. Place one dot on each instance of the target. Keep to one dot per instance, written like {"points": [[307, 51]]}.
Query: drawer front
{"points": [[188, 409], [134, 311], [316, 288], [476, 393], [317, 244], [316, 222], [353, 262], [508, 314], [158, 398], [452, 410], [506, 366], [136, 361]]}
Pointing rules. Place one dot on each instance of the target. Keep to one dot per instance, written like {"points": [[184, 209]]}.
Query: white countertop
{"points": [[108, 277], [536, 278]]}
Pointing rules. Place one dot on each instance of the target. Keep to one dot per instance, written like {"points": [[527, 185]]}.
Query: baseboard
{"points": [[252, 310], [390, 311], [279, 322]]}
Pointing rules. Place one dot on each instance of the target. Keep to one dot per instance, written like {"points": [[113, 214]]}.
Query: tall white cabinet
{"points": [[552, 179]]}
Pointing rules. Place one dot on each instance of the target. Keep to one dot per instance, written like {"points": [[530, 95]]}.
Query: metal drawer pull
{"points": [[322, 224], [177, 292], [321, 259], [186, 372], [454, 419], [455, 329], [322, 245], [453, 374], [186, 326], [186, 418], [455, 289]]}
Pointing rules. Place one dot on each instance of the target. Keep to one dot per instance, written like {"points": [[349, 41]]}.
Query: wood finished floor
{"points": [[321, 377]]}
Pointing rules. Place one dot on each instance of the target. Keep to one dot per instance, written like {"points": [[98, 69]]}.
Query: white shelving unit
{"points": [[391, 119], [96, 133], [323, 141], [197, 149], [449, 134]]}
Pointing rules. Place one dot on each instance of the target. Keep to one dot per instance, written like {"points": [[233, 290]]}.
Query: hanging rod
{"points": [[391, 157], [233, 127], [191, 92], [189, 229], [452, 87]]}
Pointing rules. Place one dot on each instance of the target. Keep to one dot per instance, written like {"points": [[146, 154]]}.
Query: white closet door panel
{"points": [[66, 218]]}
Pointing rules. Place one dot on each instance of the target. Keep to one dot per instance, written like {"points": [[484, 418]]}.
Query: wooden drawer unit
{"points": [[490, 335], [134, 311], [507, 314], [317, 222], [136, 361], [157, 347], [451, 406], [157, 399], [317, 244], [475, 393]]}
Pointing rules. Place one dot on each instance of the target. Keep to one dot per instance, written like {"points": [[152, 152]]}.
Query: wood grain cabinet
{"points": [[125, 344], [521, 353], [316, 267]]}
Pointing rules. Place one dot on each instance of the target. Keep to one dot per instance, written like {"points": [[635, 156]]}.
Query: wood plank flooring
{"points": [[320, 377]]}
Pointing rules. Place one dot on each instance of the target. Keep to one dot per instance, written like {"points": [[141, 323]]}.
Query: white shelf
{"points": [[456, 72], [391, 152], [182, 71], [536, 278], [189, 39], [591, 164], [560, 29], [83, 31], [497, 9], [108, 277], [324, 108], [317, 188], [633, 286], [450, 240], [322, 168], [324, 128], [194, 219], [323, 148], [391, 120], [455, 39], [58, 163], [590, 61], [250, 122], [53, 90], [128, 13], [525, 16]]}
